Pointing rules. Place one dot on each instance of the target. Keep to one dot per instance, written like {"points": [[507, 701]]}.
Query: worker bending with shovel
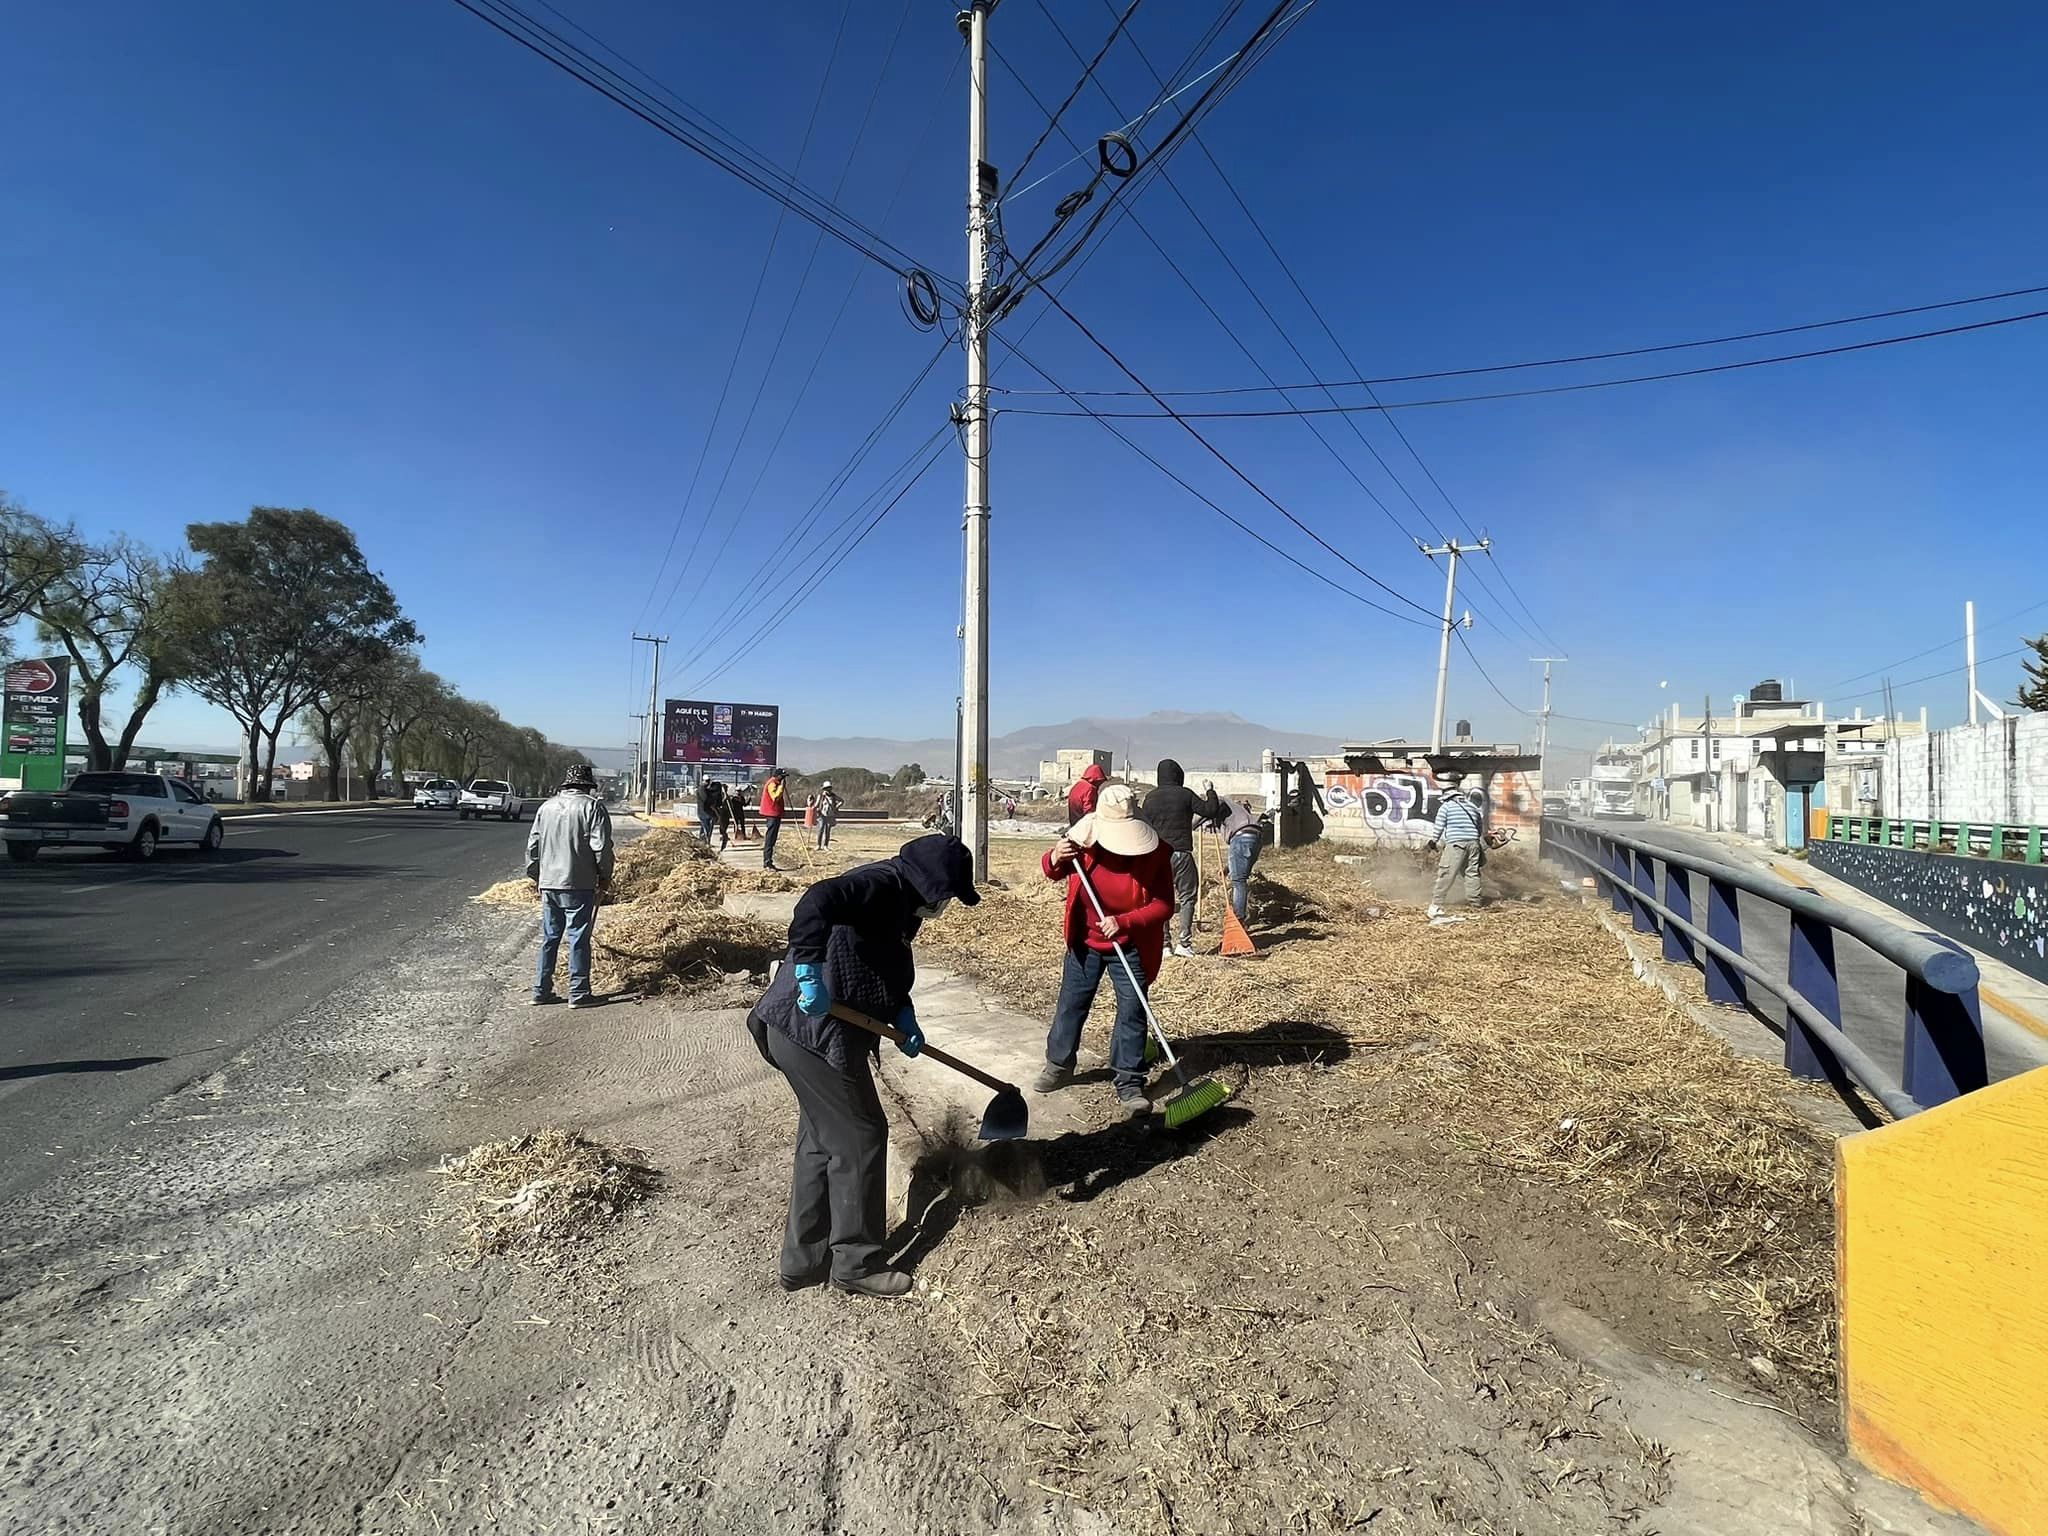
{"points": [[849, 944]]}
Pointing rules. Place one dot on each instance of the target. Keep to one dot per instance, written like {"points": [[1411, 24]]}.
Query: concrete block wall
{"points": [[1996, 770]]}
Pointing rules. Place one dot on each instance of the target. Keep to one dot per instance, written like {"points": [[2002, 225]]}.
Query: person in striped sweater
{"points": [[1459, 827]]}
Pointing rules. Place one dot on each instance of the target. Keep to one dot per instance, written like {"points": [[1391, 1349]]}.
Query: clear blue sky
{"points": [[378, 260]]}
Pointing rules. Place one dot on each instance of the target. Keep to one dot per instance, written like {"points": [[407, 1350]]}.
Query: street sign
{"points": [[698, 731], [35, 700]]}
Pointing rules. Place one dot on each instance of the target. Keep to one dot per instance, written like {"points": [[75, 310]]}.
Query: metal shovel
{"points": [[1007, 1117]]}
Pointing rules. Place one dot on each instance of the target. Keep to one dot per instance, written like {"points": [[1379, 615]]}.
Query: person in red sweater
{"points": [[1132, 874], [1081, 798]]}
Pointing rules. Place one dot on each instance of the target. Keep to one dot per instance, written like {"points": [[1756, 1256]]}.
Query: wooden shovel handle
{"points": [[860, 1020]]}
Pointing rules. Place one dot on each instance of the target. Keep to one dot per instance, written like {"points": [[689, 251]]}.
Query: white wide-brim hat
{"points": [[1114, 824]]}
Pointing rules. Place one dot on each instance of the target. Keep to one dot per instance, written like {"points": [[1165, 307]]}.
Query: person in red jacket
{"points": [[774, 798], [1081, 798], [1132, 874]]}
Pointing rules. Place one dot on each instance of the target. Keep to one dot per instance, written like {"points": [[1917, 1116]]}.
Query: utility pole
{"points": [[1712, 779], [982, 185], [1443, 656], [639, 751], [1543, 723], [1970, 654], [651, 759]]}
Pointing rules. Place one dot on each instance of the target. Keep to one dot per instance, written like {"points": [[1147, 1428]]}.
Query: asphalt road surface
{"points": [[120, 982], [1873, 990]]}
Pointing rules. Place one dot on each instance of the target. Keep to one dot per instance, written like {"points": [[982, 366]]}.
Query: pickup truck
{"points": [[489, 797], [128, 813]]}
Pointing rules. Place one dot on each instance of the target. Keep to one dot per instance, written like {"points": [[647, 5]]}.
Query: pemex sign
{"points": [[34, 706]]}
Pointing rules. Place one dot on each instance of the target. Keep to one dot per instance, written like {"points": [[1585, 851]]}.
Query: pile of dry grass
{"points": [[1536, 1051], [541, 1195]]}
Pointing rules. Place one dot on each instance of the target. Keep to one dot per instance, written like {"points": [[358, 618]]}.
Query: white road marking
{"points": [[290, 954], [372, 837], [348, 810]]}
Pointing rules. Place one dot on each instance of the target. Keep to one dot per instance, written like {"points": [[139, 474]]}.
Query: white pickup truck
{"points": [[129, 813], [489, 797]]}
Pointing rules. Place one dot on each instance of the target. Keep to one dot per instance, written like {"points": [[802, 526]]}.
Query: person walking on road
{"points": [[1459, 827], [828, 803], [850, 943], [569, 861], [774, 794], [1133, 879], [709, 793], [1081, 798], [1172, 809]]}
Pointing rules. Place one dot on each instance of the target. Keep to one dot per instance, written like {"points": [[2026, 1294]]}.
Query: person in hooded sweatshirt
{"points": [[1124, 862], [850, 943], [1172, 809], [1081, 798]]}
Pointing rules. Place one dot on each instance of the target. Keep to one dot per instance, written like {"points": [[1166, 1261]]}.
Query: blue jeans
{"points": [[774, 826], [1244, 853], [573, 912], [1078, 981]]}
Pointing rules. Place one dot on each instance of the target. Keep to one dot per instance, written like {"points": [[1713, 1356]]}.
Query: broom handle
{"points": [[943, 1058], [1151, 1018]]}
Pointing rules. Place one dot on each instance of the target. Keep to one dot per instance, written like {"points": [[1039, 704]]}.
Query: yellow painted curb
{"points": [[1941, 1232]]}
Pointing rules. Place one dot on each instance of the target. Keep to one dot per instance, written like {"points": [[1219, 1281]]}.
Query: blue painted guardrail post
{"points": [[1724, 926], [1944, 1039], [1644, 881], [1618, 887], [1811, 970], [1678, 898]]}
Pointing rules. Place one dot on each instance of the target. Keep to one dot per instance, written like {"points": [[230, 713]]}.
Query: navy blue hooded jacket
{"points": [[858, 928]]}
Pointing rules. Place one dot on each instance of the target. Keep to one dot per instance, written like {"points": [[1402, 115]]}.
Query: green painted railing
{"points": [[1978, 839]]}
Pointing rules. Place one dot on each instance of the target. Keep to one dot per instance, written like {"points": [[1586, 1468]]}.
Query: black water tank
{"points": [[1769, 691]]}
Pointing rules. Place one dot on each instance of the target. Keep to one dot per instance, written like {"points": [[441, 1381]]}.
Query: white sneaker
{"points": [[1184, 951], [1434, 911]]}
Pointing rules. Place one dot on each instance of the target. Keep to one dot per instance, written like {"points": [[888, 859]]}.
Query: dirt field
{"points": [[1318, 1310]]}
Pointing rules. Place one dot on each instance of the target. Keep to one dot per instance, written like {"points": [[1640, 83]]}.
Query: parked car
{"points": [[489, 797], [437, 795], [130, 813]]}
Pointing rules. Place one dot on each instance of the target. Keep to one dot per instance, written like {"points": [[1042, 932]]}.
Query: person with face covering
{"points": [[850, 943], [1132, 876], [1172, 809]]}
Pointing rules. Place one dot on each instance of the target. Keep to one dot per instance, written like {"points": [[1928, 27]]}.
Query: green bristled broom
{"points": [[1194, 1099]]}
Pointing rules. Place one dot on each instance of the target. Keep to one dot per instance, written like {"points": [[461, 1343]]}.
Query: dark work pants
{"points": [[774, 826], [1185, 890], [837, 1193]]}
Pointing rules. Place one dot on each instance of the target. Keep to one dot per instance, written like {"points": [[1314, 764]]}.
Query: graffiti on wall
{"points": [[1403, 805], [1993, 906]]}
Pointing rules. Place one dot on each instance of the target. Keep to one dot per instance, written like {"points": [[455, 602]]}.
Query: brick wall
{"points": [[1994, 771]]}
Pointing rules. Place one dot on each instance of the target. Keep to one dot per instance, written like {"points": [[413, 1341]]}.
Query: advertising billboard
{"points": [[698, 731], [34, 707]]}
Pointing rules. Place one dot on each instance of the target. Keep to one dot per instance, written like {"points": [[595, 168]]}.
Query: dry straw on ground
{"points": [[540, 1196]]}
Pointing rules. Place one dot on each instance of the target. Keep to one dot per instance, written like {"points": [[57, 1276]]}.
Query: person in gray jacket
{"points": [[569, 861]]}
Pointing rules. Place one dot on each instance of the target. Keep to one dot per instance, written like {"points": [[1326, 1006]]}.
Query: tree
{"points": [[281, 605], [106, 610], [33, 555], [2034, 691], [407, 693], [909, 776]]}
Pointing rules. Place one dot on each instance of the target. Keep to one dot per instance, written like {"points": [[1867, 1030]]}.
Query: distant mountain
{"points": [[1198, 741]]}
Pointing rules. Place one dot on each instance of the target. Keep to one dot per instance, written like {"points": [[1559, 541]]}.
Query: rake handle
{"points": [[875, 1026]]}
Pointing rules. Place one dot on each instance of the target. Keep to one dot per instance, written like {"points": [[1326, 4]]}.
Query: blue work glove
{"points": [[913, 1035], [811, 994]]}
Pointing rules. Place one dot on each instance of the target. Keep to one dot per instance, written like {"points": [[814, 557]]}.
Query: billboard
{"points": [[34, 705], [697, 731]]}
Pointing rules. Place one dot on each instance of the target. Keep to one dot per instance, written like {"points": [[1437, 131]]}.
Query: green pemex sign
{"points": [[33, 713]]}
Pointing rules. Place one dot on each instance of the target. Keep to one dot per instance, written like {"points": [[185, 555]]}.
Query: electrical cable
{"points": [[1555, 389], [697, 132], [1121, 436], [1931, 676], [1944, 645], [1087, 74]]}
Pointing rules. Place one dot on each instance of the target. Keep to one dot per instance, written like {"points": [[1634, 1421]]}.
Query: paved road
{"points": [[1873, 989], [122, 982]]}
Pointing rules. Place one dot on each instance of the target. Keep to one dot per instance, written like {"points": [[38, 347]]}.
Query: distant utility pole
{"points": [[652, 757], [1712, 781], [638, 750], [1443, 656], [1543, 724], [1970, 659], [982, 186]]}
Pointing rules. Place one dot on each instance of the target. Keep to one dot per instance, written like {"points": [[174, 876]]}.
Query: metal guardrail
{"points": [[1980, 839], [1944, 1055]]}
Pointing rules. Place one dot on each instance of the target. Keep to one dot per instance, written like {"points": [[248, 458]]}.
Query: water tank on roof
{"points": [[1769, 691]]}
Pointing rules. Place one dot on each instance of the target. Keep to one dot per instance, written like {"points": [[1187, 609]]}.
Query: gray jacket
{"points": [[570, 846]]}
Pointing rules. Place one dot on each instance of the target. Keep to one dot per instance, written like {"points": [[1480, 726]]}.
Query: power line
{"points": [[1931, 676], [1944, 645], [701, 134], [1554, 389], [1087, 74], [1584, 357], [1243, 527]]}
